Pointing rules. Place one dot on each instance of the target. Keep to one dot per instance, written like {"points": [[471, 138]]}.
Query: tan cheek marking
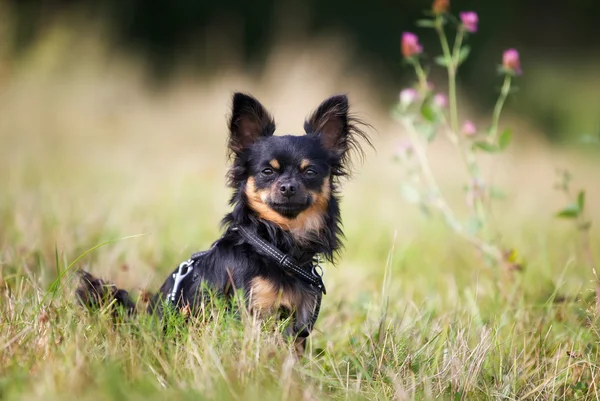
{"points": [[266, 296], [304, 164], [275, 164], [257, 201], [310, 220], [255, 195]]}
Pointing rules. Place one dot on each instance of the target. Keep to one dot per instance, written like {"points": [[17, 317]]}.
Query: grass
{"points": [[91, 157]]}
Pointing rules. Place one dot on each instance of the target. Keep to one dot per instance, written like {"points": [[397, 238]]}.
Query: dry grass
{"points": [[89, 154]]}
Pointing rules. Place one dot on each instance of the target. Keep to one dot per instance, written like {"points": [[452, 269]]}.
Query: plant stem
{"points": [[584, 234], [441, 204], [452, 101], [451, 68], [422, 77], [498, 108], [589, 255], [457, 45], [587, 250], [428, 175]]}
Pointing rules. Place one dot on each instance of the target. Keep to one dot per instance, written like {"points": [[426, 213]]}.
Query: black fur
{"points": [[306, 173]]}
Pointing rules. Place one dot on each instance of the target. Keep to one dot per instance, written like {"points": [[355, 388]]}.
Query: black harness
{"points": [[312, 276]]}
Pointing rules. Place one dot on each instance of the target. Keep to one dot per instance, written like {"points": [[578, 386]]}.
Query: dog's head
{"points": [[290, 180]]}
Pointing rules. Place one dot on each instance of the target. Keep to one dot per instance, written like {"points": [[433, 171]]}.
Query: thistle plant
{"points": [[425, 115]]}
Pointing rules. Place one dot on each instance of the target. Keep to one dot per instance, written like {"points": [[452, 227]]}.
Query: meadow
{"points": [[100, 171]]}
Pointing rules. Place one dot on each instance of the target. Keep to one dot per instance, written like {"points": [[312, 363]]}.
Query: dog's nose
{"points": [[287, 190]]}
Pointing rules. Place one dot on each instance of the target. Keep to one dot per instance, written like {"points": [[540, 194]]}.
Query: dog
{"points": [[285, 215]]}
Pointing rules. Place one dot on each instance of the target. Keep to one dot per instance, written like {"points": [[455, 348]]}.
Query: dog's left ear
{"points": [[249, 122], [330, 123]]}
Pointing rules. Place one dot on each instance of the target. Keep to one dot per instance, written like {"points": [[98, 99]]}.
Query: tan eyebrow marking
{"points": [[304, 164], [275, 164]]}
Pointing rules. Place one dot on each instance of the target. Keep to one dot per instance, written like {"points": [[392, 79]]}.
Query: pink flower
{"points": [[468, 128], [440, 100], [408, 96], [469, 20], [410, 45], [511, 62]]}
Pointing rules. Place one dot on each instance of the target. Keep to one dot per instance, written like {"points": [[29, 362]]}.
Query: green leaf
{"points": [[410, 193], [473, 226], [428, 113], [581, 200], [443, 61], [504, 139], [486, 146], [464, 53], [428, 131], [497, 193], [570, 212], [579, 387], [425, 23]]}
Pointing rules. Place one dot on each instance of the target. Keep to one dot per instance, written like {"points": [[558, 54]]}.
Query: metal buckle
{"points": [[182, 272], [317, 273]]}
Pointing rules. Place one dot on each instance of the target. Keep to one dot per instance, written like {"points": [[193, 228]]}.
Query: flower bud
{"points": [[469, 20], [408, 96], [511, 62], [468, 128], [440, 100], [441, 6], [410, 45]]}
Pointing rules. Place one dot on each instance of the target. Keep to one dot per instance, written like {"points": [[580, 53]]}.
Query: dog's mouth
{"points": [[289, 209]]}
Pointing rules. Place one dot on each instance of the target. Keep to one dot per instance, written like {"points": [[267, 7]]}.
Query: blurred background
{"points": [[113, 113], [558, 40]]}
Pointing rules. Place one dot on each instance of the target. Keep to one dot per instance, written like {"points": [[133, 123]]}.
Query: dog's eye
{"points": [[310, 172], [267, 171]]}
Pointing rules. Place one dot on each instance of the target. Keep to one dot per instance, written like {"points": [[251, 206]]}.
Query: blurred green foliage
{"points": [[550, 33]]}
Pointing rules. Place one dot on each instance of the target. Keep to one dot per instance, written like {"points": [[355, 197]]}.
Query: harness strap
{"points": [[315, 314], [313, 278]]}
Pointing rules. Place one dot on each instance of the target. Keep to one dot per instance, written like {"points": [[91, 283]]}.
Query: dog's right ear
{"points": [[249, 122]]}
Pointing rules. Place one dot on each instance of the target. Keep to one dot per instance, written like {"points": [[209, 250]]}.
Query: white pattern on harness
{"points": [[184, 269]]}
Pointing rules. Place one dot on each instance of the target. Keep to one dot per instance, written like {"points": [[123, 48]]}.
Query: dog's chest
{"points": [[266, 295]]}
